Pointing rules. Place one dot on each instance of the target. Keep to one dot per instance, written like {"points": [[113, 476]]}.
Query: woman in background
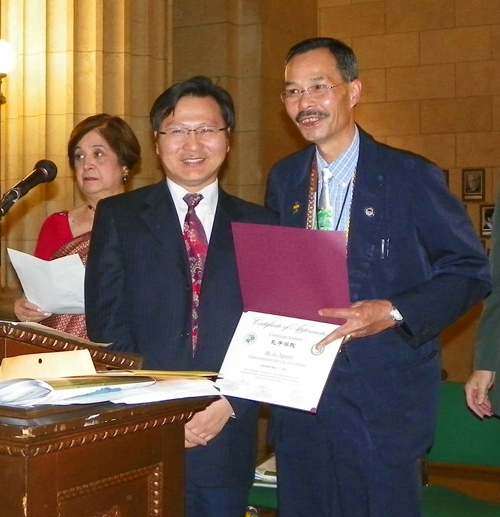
{"points": [[102, 150]]}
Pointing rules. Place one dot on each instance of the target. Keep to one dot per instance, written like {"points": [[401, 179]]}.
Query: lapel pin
{"points": [[296, 207], [369, 211]]}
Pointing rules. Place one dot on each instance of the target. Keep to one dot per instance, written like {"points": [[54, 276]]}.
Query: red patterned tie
{"points": [[196, 245]]}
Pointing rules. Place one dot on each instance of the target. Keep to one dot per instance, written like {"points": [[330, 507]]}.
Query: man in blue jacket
{"points": [[415, 265]]}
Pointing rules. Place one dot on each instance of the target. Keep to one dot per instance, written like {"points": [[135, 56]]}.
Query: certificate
{"points": [[286, 275], [291, 271], [274, 359]]}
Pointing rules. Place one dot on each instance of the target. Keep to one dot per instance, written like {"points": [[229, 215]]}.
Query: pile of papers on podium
{"points": [[66, 378]]}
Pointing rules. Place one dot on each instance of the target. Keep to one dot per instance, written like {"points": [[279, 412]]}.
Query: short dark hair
{"points": [[343, 54], [117, 133], [198, 86]]}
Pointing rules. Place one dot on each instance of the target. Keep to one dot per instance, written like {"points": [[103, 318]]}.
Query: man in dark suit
{"points": [[144, 292], [415, 265]]}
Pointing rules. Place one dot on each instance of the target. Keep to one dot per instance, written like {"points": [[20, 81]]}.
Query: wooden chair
{"points": [[462, 469]]}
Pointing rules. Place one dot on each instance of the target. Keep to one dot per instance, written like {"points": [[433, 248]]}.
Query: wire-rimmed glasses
{"points": [[316, 91]]}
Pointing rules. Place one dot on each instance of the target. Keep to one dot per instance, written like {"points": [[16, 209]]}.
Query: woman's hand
{"points": [[27, 311]]}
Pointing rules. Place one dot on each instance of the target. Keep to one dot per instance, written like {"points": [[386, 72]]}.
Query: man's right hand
{"points": [[476, 392], [363, 318]]}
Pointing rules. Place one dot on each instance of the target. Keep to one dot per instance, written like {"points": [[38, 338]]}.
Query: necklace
{"points": [[90, 207], [311, 203]]}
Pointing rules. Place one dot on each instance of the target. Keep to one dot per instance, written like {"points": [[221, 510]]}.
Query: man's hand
{"points": [[365, 318], [207, 424], [476, 392]]}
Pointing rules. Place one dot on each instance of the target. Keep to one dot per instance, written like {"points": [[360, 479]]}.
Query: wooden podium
{"points": [[22, 338], [95, 460]]}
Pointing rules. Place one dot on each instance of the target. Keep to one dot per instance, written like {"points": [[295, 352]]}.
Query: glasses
{"points": [[202, 132], [316, 91]]}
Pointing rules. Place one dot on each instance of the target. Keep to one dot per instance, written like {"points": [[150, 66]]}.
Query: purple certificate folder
{"points": [[291, 271]]}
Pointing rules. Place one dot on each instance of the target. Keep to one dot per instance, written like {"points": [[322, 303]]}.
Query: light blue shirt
{"points": [[341, 185]]}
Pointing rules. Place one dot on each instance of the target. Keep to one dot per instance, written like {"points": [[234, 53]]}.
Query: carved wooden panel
{"points": [[95, 461], [113, 512], [135, 493], [90, 437]]}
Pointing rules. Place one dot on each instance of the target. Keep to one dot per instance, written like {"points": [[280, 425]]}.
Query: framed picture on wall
{"points": [[473, 184], [486, 219]]}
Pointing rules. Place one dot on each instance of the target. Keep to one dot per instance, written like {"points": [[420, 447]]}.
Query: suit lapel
{"points": [[221, 244], [368, 209], [160, 216], [298, 206]]}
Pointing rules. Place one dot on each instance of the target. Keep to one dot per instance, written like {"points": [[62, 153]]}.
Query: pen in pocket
{"points": [[384, 248]]}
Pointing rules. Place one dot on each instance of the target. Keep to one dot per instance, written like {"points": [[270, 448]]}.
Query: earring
{"points": [[125, 174]]}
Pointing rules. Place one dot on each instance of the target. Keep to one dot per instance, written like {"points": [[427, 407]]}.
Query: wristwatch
{"points": [[396, 316]]}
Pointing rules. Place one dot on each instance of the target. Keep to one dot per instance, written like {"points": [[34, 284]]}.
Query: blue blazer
{"points": [[411, 242], [138, 297]]}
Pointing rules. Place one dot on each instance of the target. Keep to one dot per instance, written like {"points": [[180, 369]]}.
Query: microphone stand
{"points": [[9, 198]]}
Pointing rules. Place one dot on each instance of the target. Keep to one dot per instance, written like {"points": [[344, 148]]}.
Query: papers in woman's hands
{"points": [[56, 286]]}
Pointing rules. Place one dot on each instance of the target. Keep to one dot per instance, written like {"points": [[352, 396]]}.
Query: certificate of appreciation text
{"points": [[274, 359]]}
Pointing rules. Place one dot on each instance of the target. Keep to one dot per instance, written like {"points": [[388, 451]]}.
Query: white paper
{"points": [[136, 394], [169, 390], [274, 359], [34, 392], [47, 365], [56, 286]]}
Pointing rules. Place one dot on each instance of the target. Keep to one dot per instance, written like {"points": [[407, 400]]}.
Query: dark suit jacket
{"points": [[488, 337], [432, 268], [138, 297]]}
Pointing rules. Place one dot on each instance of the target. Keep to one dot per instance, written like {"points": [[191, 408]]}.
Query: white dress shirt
{"points": [[205, 209]]}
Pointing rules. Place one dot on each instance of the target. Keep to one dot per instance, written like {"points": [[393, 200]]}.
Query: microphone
{"points": [[43, 172]]}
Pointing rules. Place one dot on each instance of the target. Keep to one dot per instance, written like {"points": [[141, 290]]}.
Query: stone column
{"points": [[75, 58], [242, 44]]}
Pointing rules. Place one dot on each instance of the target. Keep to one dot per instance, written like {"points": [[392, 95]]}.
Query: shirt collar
{"points": [[344, 166], [210, 195]]}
